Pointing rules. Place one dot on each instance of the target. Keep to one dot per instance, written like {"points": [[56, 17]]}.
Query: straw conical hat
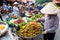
{"points": [[50, 8], [15, 3]]}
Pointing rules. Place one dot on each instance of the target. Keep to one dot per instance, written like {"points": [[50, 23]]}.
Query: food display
{"points": [[22, 24], [36, 16], [3, 28], [26, 27], [18, 21], [14, 17], [31, 29], [15, 22]]}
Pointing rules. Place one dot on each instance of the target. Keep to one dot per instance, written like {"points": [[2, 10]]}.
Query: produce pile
{"points": [[26, 27], [14, 17], [31, 29], [36, 16], [2, 27], [21, 21], [18, 21]]}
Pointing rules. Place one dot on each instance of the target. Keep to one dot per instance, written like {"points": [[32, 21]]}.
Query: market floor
{"points": [[57, 37]]}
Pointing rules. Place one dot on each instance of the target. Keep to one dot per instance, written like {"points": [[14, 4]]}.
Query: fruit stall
{"points": [[25, 28]]}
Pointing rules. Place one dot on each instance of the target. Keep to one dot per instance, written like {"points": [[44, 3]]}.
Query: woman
{"points": [[51, 21], [10, 8], [16, 9], [4, 6], [1, 13], [50, 25]]}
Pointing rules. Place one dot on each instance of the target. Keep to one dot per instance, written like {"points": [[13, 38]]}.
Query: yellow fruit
{"points": [[2, 27], [31, 29]]}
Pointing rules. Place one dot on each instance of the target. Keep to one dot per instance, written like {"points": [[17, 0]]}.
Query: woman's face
{"points": [[58, 4], [16, 4]]}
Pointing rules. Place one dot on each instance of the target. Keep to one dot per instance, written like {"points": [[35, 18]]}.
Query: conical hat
{"points": [[50, 8], [15, 3]]}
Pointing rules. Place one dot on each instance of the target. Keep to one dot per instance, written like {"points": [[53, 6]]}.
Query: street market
{"points": [[29, 20]]}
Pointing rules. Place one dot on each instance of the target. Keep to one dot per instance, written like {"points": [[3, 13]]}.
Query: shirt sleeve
{"points": [[17, 9], [54, 27]]}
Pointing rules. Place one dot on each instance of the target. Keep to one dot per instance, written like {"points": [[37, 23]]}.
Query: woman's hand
{"points": [[38, 19], [44, 32]]}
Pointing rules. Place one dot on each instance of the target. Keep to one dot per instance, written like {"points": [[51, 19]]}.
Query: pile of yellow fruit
{"points": [[2, 27], [31, 29]]}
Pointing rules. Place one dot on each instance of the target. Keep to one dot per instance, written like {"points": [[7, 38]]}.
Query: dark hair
{"points": [[52, 15], [58, 4], [32, 4]]}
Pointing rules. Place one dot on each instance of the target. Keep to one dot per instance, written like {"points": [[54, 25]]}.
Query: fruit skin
{"points": [[22, 25], [19, 21], [2, 27], [25, 31], [31, 29]]}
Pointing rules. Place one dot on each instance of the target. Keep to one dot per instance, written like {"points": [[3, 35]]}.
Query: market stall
{"points": [[25, 27]]}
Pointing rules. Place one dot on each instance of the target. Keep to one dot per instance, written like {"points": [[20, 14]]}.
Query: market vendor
{"points": [[16, 9], [51, 21], [32, 9]]}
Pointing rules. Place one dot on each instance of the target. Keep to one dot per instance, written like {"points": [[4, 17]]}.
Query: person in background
{"points": [[1, 13], [27, 6], [51, 21], [32, 8], [40, 7], [4, 6], [23, 11], [9, 10], [16, 9]]}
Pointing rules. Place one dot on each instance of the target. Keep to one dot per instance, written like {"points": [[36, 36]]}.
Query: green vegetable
{"points": [[36, 16]]}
